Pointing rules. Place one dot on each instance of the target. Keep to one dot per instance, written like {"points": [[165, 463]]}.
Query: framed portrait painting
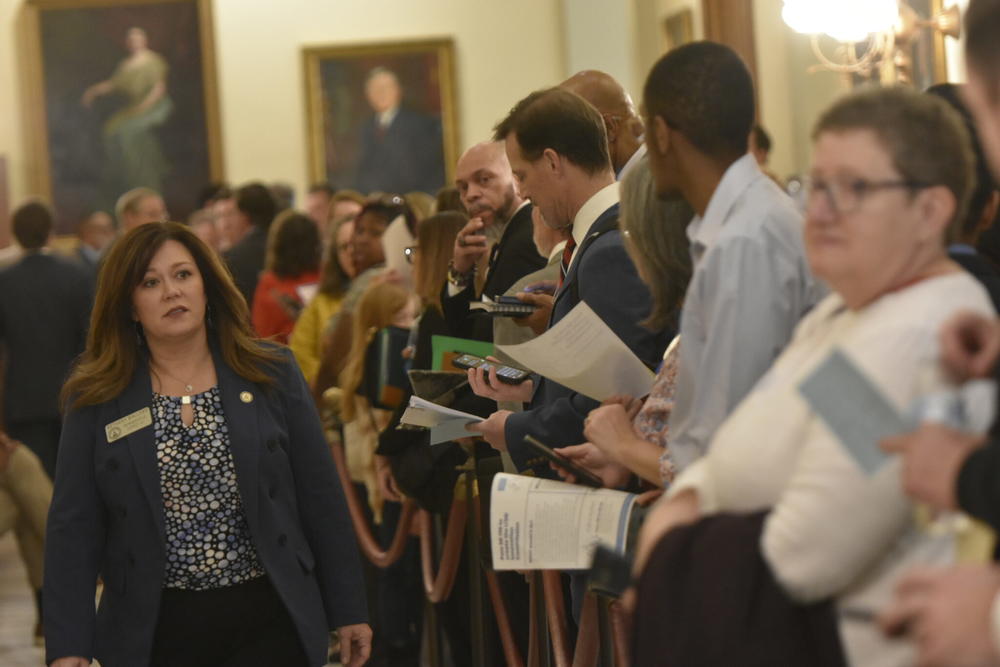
{"points": [[123, 95], [382, 117]]}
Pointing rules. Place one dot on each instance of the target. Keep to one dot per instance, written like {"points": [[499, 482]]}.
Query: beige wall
{"points": [[503, 51]]}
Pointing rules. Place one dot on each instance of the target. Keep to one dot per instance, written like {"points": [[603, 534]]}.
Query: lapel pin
{"points": [[246, 396]]}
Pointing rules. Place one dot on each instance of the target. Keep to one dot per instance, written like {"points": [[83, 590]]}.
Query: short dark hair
{"points": [[211, 193], [323, 187], [294, 245], [983, 185], [32, 224], [982, 48], [924, 137], [761, 138], [563, 121], [389, 207], [704, 91], [256, 202]]}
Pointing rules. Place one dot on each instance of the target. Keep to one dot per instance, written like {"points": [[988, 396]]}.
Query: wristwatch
{"points": [[460, 280]]}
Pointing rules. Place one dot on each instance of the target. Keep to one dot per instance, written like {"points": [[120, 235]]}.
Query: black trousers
{"points": [[245, 625]]}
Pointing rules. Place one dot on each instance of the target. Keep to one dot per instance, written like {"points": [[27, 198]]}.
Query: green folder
{"points": [[442, 345]]}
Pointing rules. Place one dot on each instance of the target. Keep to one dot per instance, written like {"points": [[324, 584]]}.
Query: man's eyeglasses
{"points": [[847, 196], [410, 252]]}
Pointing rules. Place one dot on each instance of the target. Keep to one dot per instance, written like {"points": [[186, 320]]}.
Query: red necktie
{"points": [[567, 256]]}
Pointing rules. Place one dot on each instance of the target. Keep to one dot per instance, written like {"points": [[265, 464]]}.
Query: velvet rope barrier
{"points": [[588, 637], [438, 588], [366, 541], [620, 633], [555, 612], [510, 652]]}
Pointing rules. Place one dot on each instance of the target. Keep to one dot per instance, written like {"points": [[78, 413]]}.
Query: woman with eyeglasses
{"points": [[891, 173]]}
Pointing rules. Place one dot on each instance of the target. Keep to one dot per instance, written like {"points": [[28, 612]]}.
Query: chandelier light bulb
{"points": [[843, 20]]}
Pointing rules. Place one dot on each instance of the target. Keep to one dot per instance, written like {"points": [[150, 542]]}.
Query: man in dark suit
{"points": [[255, 209], [401, 149], [44, 316], [558, 152], [96, 233], [499, 235]]}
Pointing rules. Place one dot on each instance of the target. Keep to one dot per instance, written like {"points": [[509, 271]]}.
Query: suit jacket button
{"points": [[112, 465], [272, 445], [273, 491], [123, 511], [282, 540], [131, 560]]}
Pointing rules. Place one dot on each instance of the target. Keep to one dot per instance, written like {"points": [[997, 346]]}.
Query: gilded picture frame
{"points": [[382, 117], [120, 94]]}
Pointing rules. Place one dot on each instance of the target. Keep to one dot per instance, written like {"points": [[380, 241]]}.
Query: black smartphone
{"points": [[506, 374], [584, 477], [513, 301]]}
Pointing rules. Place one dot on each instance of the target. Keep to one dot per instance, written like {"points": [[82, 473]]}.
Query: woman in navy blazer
{"points": [[194, 478]]}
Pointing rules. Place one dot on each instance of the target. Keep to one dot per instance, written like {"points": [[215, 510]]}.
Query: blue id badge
{"points": [[853, 408]]}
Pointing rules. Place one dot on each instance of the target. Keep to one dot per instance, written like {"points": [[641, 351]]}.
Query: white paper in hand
{"points": [[583, 353]]}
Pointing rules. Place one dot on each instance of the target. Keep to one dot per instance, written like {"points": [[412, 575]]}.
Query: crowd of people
{"points": [[820, 437]]}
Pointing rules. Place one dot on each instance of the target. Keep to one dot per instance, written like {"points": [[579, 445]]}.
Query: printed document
{"points": [[445, 423], [542, 524], [583, 353]]}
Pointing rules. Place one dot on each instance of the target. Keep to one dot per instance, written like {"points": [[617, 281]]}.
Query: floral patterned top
{"points": [[651, 422], [208, 540]]}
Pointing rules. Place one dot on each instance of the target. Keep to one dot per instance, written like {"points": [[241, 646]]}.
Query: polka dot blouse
{"points": [[208, 541]]}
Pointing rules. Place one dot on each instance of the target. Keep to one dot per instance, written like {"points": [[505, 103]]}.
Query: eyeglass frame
{"points": [[861, 189]]}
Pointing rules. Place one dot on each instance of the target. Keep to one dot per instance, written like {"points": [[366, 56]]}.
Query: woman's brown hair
{"points": [[375, 310], [436, 242], [115, 346], [293, 245]]}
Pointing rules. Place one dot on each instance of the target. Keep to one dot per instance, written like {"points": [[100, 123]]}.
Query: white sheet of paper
{"points": [[445, 424], [307, 292], [395, 240], [583, 353], [542, 524]]}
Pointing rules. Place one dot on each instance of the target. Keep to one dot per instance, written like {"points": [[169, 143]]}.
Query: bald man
{"points": [[497, 239], [621, 120]]}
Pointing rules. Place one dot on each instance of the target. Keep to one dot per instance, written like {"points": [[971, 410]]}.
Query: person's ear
{"points": [[936, 207], [662, 135], [552, 161]]}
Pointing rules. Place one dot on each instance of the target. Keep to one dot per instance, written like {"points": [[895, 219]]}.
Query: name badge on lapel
{"points": [[128, 424]]}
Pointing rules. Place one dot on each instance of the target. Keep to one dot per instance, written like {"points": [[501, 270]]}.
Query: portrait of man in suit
{"points": [[382, 117], [400, 147]]}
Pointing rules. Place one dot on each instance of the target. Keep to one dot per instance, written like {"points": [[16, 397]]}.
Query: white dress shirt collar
{"points": [[703, 230], [386, 117], [592, 209]]}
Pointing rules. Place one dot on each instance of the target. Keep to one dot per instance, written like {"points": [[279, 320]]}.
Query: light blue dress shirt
{"points": [[751, 286]]}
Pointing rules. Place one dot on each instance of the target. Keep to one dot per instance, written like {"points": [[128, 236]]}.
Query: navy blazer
{"points": [[603, 275], [107, 518], [407, 156]]}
